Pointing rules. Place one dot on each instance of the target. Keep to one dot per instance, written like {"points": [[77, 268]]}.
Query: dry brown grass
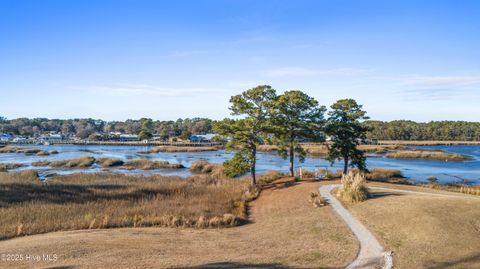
{"points": [[7, 166], [107, 162], [82, 162], [386, 175], [9, 149], [149, 165], [92, 201], [181, 149], [353, 188], [431, 155], [424, 231], [465, 189], [43, 153], [285, 231]]}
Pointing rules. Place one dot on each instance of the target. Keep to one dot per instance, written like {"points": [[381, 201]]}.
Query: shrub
{"points": [[236, 166], [317, 200], [353, 189]]}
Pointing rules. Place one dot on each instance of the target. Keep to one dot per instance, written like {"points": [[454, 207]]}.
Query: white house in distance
{"points": [[128, 137]]}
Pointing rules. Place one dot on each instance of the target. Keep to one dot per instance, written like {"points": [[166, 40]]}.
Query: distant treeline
{"points": [[434, 130], [85, 128], [380, 130]]}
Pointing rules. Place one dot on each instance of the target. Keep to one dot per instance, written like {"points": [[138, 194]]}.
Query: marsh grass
{"points": [[465, 189], [88, 161], [106, 162], [181, 149], [353, 188], [431, 155], [149, 165], [9, 149], [7, 166], [93, 201], [387, 175], [82, 162]]}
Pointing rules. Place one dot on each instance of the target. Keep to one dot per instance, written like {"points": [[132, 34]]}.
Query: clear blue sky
{"points": [[117, 59]]}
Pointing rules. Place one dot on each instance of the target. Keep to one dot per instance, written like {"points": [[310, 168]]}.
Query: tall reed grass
{"points": [[353, 188]]}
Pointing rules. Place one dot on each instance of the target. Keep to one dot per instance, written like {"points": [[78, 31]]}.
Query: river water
{"points": [[416, 170]]}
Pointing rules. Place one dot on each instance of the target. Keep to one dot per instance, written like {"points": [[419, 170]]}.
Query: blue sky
{"points": [[116, 60]]}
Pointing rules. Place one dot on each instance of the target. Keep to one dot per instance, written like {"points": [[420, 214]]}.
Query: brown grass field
{"points": [[91, 201], [284, 231], [424, 231]]}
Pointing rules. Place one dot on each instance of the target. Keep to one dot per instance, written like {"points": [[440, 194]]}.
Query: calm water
{"points": [[416, 170]]}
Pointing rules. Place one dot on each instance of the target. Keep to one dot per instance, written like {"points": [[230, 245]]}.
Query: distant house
{"points": [[52, 137], [5, 137], [202, 138], [20, 139], [128, 137]]}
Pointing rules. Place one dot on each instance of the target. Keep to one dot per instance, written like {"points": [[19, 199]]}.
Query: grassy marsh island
{"points": [[7, 166], [431, 155], [149, 165], [10, 149], [88, 161]]}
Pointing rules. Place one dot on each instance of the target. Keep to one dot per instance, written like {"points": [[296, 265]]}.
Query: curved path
{"points": [[371, 252]]}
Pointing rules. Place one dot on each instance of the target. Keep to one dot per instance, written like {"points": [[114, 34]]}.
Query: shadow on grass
{"points": [[239, 265], [377, 195], [470, 261], [14, 193]]}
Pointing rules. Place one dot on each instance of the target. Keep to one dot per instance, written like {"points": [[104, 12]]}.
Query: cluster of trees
{"points": [[435, 130], [286, 120], [87, 128]]}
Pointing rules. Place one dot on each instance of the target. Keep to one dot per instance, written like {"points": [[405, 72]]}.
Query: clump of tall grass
{"points": [[7, 166], [431, 155], [107, 162], [353, 188], [181, 149], [149, 165]]}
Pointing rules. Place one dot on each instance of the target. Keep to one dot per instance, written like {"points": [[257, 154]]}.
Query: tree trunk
{"points": [[345, 166], [253, 163], [292, 159]]}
